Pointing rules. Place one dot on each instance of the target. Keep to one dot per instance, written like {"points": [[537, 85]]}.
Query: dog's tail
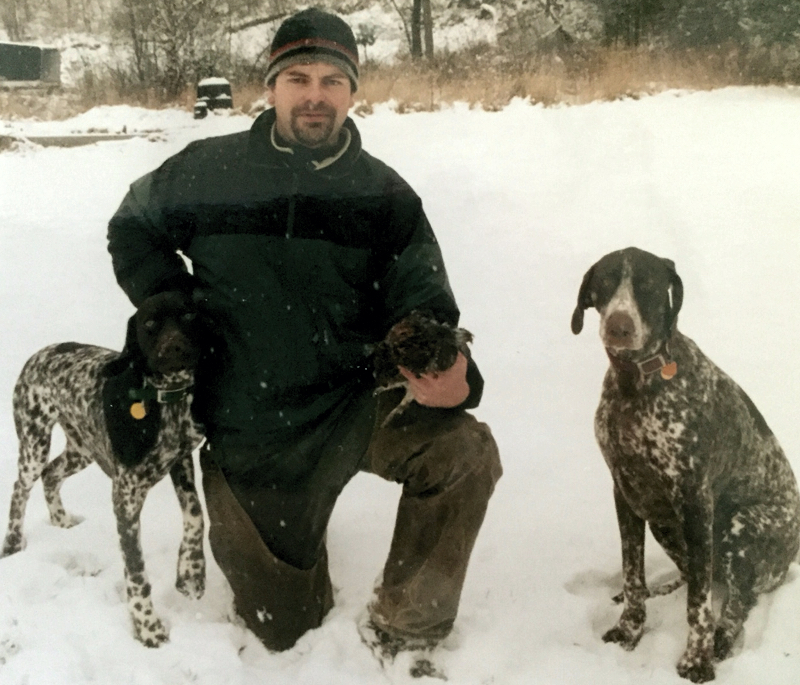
{"points": [[659, 590]]}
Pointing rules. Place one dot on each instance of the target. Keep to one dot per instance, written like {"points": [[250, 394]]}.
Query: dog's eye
{"points": [[150, 324], [189, 316], [646, 286]]}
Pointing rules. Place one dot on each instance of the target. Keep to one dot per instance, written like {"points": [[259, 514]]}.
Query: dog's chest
{"points": [[177, 435], [646, 442]]}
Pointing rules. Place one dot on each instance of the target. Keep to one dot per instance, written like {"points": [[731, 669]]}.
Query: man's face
{"points": [[311, 103]]}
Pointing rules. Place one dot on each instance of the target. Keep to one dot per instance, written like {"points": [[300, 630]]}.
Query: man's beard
{"points": [[316, 133]]}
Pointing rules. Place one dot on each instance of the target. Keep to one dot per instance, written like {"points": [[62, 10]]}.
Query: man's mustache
{"points": [[321, 108]]}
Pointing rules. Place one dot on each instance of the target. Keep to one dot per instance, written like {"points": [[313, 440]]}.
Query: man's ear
{"points": [[271, 95]]}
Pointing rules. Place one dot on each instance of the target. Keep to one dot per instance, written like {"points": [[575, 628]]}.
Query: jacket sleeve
{"points": [[417, 279], [144, 243]]}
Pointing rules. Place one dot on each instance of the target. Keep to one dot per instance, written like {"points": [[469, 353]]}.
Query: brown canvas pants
{"points": [[268, 536]]}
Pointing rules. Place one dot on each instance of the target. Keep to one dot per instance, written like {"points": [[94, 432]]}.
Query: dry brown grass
{"points": [[61, 103], [581, 77], [480, 78]]}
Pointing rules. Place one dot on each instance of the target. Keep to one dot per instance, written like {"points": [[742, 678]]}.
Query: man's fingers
{"points": [[442, 389]]}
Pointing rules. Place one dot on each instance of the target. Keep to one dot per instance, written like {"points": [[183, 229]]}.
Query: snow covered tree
{"points": [[12, 13], [701, 23], [766, 22], [176, 42], [631, 22], [527, 26]]}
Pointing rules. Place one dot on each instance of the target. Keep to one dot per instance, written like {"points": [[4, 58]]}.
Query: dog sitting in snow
{"points": [[690, 455], [420, 344]]}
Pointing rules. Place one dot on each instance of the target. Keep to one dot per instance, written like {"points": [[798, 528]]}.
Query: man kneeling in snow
{"points": [[306, 250]]}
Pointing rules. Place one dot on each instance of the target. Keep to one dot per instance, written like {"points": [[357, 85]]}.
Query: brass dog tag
{"points": [[138, 411], [669, 370]]}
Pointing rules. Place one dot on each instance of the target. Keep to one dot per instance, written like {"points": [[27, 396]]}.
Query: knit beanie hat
{"points": [[314, 36]]}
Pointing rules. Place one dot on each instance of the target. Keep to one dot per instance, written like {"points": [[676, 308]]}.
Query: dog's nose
{"points": [[173, 348], [619, 329]]}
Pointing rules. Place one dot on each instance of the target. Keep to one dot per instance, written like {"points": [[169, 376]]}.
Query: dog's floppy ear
{"points": [[677, 294], [131, 438], [131, 355], [584, 301]]}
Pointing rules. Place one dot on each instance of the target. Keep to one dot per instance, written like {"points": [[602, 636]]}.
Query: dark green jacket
{"points": [[302, 265]]}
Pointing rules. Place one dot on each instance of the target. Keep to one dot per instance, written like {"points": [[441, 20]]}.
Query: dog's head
{"points": [[163, 338], [638, 296], [162, 348], [167, 330]]}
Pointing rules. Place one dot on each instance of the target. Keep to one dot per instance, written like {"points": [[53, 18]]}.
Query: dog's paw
{"points": [[724, 641], [191, 578], [625, 637], [696, 667], [12, 544], [65, 520], [629, 628], [151, 632], [192, 584]]}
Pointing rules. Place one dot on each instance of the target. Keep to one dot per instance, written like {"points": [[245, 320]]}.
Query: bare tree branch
{"points": [[258, 22]]}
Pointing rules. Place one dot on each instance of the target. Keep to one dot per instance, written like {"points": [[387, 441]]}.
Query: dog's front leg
{"points": [[128, 495], [191, 579], [697, 514], [630, 626]]}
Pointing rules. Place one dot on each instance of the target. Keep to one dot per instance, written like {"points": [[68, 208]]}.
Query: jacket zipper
{"points": [[292, 204]]}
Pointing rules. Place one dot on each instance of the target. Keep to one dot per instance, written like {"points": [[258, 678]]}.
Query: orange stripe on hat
{"points": [[313, 43]]}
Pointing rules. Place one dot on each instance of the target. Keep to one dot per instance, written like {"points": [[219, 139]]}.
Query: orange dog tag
{"points": [[139, 412], [669, 370]]}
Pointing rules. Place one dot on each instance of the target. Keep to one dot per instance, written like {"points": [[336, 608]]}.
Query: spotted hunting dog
{"points": [[690, 455], [130, 413]]}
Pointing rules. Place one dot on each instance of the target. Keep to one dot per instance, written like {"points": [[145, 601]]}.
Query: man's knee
{"points": [[426, 460], [467, 452], [277, 601]]}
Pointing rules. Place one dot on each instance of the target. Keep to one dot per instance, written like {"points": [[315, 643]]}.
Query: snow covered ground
{"points": [[523, 201]]}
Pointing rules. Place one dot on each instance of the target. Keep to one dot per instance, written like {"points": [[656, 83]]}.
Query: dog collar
{"points": [[661, 361], [151, 392]]}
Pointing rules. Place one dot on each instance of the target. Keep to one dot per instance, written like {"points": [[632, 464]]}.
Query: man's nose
{"points": [[315, 92]]}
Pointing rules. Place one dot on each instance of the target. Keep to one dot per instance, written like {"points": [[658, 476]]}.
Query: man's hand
{"points": [[443, 389]]}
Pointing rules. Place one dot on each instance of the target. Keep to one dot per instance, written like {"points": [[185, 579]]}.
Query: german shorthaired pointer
{"points": [[690, 455], [130, 413], [420, 344]]}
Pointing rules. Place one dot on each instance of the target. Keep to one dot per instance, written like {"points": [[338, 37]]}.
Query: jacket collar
{"points": [[265, 148], [315, 161]]}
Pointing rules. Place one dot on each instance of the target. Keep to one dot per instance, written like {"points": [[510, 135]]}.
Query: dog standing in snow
{"points": [[130, 413]]}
